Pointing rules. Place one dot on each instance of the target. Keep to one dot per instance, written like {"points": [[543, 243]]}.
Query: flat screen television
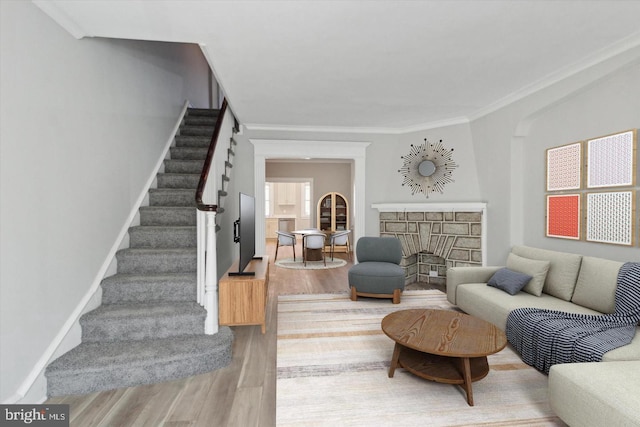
{"points": [[244, 233]]}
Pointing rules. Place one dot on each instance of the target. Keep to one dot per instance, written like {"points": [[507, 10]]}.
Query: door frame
{"points": [[299, 149]]}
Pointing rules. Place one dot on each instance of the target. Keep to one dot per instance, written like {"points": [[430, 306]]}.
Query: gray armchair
{"points": [[378, 273]]}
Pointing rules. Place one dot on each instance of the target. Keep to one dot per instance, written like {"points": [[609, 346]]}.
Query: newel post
{"points": [[211, 276]]}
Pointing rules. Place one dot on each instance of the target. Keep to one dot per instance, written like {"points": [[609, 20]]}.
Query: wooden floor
{"points": [[242, 394]]}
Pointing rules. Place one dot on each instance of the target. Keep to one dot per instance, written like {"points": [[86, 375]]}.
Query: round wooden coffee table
{"points": [[443, 346]]}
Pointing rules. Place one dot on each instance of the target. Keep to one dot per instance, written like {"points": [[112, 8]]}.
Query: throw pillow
{"points": [[509, 281], [534, 268]]}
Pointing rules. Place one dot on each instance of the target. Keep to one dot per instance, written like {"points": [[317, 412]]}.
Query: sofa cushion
{"points": [[494, 305], [376, 277], [630, 351], [534, 268], [563, 270], [596, 286], [509, 281], [596, 394]]}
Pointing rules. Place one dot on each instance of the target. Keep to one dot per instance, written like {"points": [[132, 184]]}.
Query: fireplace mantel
{"points": [[431, 207]]}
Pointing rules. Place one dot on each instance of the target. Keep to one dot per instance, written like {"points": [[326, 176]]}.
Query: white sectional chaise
{"points": [[583, 393]]}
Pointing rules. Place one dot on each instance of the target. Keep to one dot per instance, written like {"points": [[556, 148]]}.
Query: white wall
{"points": [[83, 124]]}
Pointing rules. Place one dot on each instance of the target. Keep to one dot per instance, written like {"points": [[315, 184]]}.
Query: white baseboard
{"points": [[34, 388]]}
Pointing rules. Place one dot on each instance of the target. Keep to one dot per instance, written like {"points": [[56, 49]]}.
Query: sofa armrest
{"points": [[459, 275]]}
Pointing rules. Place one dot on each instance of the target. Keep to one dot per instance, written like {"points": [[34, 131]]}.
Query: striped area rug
{"points": [[332, 368]]}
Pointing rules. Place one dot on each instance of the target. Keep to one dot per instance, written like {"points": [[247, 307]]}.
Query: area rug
{"points": [[311, 265], [332, 370]]}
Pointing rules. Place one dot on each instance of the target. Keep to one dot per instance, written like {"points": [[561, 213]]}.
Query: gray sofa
{"points": [[580, 394]]}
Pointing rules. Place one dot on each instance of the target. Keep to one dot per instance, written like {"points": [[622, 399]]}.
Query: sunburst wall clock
{"points": [[427, 168]]}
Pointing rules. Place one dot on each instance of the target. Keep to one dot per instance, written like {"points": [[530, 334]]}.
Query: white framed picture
{"points": [[610, 217], [611, 160]]}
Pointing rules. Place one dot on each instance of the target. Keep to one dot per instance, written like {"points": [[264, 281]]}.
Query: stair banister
{"points": [[207, 294]]}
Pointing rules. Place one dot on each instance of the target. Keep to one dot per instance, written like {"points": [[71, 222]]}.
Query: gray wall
{"points": [[510, 143], [242, 181], [84, 123], [384, 182], [609, 106]]}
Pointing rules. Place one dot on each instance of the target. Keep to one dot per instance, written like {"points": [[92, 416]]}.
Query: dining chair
{"points": [[341, 238], [313, 241], [286, 239]]}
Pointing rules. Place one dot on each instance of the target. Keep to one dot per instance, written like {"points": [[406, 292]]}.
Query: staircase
{"points": [[149, 327]]}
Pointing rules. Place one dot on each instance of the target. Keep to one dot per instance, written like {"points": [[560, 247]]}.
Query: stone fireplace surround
{"points": [[435, 236]]}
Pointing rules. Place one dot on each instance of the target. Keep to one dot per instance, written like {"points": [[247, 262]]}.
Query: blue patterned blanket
{"points": [[548, 337]]}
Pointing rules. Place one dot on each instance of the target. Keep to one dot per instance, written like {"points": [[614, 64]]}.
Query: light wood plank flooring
{"points": [[242, 394]]}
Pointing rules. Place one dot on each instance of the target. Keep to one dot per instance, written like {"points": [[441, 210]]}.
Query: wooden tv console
{"points": [[242, 300]]}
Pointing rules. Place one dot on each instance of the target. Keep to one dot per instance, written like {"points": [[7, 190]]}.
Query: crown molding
{"points": [[625, 45], [431, 207], [351, 129]]}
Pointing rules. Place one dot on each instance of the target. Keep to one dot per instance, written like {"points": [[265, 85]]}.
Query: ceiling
{"points": [[371, 65]]}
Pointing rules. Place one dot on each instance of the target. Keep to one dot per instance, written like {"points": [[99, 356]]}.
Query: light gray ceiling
{"points": [[379, 65]]}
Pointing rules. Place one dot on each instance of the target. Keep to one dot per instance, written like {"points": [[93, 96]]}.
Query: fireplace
{"points": [[435, 236]]}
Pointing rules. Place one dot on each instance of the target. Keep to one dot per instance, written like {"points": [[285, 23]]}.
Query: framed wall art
{"points": [[563, 216], [610, 217], [564, 167], [611, 160]]}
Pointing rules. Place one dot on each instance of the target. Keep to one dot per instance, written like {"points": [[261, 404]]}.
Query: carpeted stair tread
{"points": [[123, 288], [94, 367], [178, 180], [189, 153], [195, 120], [197, 130], [154, 260], [167, 349], [199, 141], [183, 166], [168, 215], [207, 112], [137, 321], [172, 197], [146, 236]]}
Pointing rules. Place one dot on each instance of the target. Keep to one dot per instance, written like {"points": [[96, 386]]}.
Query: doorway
{"points": [[297, 149]]}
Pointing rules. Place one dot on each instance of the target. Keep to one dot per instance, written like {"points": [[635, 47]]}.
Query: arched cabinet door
{"points": [[333, 213]]}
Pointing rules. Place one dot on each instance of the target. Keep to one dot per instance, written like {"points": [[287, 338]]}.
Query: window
{"points": [[307, 199], [267, 199]]}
